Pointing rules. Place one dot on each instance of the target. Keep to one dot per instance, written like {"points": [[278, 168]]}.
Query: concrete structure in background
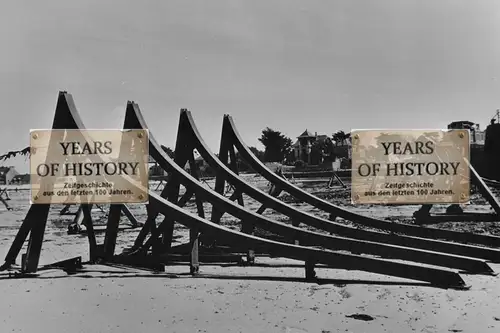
{"points": [[485, 147]]}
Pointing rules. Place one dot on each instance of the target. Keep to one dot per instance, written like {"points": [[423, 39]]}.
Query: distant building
{"points": [[302, 147], [7, 174], [21, 179]]}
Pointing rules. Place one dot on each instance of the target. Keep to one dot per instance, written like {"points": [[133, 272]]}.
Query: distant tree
{"points": [[14, 153], [340, 138], [243, 165], [335, 138], [278, 146], [258, 153], [290, 158], [322, 151]]}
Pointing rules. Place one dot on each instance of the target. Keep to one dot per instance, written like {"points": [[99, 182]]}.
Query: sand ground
{"points": [[234, 299]]}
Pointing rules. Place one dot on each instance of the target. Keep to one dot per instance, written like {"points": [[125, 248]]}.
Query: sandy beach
{"points": [[105, 298]]}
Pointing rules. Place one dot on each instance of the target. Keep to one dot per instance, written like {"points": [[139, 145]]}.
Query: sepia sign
{"points": [[89, 166], [410, 166]]}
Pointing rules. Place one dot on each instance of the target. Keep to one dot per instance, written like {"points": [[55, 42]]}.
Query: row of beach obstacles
{"points": [[427, 254]]}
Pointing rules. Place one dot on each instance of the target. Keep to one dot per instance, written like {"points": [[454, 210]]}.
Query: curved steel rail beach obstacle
{"points": [[230, 133], [191, 139], [192, 184]]}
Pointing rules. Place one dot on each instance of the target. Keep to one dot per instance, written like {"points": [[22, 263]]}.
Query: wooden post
{"points": [[89, 224], [116, 209], [64, 118], [194, 234]]}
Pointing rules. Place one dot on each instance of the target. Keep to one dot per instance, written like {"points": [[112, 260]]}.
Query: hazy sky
{"points": [[290, 65]]}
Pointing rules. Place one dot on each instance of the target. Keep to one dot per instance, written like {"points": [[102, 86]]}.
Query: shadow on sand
{"points": [[123, 274]]}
